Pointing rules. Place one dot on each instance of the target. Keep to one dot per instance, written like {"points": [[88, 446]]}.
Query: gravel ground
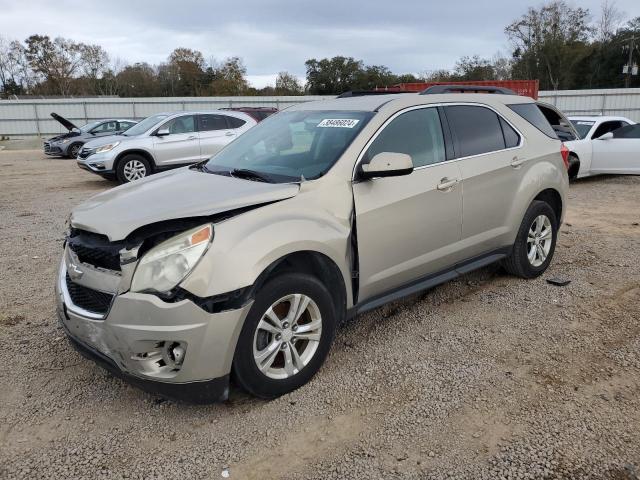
{"points": [[488, 376]]}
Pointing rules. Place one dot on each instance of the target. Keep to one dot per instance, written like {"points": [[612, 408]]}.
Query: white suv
{"points": [[162, 141]]}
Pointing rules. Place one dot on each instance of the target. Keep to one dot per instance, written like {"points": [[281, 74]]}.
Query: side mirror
{"points": [[606, 136], [387, 164], [163, 132]]}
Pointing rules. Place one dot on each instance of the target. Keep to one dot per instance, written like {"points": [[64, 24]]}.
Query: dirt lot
{"points": [[485, 377]]}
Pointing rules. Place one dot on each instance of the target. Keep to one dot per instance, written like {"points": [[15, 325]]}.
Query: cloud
{"points": [[271, 36]]}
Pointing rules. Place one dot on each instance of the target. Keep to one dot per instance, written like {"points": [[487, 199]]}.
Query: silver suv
{"points": [[161, 142], [244, 265]]}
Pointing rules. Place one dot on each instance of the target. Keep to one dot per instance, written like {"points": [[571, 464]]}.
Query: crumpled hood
{"points": [[176, 194]]}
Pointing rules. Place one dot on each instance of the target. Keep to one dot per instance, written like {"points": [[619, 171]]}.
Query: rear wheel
{"points": [[131, 168], [74, 150], [535, 243], [286, 336]]}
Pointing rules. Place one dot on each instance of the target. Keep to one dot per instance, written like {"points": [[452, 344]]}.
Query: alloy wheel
{"points": [[539, 240], [134, 170], [287, 336]]}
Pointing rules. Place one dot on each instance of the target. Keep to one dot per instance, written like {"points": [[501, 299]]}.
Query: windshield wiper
{"points": [[250, 174]]}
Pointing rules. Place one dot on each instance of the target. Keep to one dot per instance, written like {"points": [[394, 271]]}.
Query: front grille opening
{"points": [[87, 298], [95, 249]]}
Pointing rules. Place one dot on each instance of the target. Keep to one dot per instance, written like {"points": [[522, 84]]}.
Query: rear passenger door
{"points": [[408, 226], [215, 132], [491, 164]]}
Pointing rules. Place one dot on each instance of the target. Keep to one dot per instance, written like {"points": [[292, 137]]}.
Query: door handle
{"points": [[229, 134], [517, 162], [191, 137], [446, 184]]}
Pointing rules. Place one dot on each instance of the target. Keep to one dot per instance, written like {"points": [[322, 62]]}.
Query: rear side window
{"points": [[207, 123], [532, 114], [630, 131], [235, 122], [476, 130], [418, 133], [511, 137]]}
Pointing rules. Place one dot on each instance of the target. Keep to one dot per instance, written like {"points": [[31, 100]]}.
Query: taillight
{"points": [[564, 151]]}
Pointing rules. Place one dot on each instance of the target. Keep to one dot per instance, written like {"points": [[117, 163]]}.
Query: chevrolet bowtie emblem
{"points": [[74, 272]]}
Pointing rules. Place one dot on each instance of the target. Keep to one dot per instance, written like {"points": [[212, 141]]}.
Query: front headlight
{"points": [[107, 148], [164, 266]]}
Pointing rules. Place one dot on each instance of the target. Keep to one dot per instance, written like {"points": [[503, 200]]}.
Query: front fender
{"points": [[246, 245]]}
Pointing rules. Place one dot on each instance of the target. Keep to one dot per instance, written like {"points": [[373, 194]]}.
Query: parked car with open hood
{"points": [[606, 144], [246, 263], [69, 144], [161, 142]]}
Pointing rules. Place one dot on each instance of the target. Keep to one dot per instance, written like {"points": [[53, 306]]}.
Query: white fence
{"points": [[623, 102], [32, 117]]}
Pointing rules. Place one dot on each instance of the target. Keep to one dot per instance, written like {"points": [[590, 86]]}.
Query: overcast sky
{"points": [[274, 35]]}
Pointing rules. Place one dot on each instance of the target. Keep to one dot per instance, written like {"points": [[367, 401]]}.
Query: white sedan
{"points": [[606, 145]]}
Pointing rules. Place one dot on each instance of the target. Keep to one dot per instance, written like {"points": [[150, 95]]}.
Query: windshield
{"points": [[583, 127], [293, 145], [89, 126], [144, 125]]}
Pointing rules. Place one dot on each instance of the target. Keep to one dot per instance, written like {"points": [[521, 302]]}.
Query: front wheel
{"points": [[535, 243], [131, 168], [286, 336], [74, 150]]}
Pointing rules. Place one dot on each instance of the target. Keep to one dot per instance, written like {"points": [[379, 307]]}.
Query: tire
{"points": [[132, 167], [260, 345], [519, 263], [574, 166], [73, 150]]}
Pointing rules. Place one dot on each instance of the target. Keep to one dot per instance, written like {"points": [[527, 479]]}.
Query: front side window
{"points": [[126, 125], [183, 124], [606, 127], [291, 146], [209, 122], [106, 127], [476, 130], [417, 133], [630, 131], [582, 127]]}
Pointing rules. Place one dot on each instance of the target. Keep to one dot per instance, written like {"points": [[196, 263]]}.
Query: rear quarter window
{"points": [[532, 114]]}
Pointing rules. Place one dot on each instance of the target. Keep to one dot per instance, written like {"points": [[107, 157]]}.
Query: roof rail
{"points": [[466, 88], [362, 93]]}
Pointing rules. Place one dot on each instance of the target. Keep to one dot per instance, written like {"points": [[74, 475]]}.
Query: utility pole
{"points": [[627, 80]]}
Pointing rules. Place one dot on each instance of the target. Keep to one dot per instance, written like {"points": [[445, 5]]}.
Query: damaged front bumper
{"points": [[137, 336]]}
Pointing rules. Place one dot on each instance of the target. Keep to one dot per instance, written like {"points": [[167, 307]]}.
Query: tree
{"points": [[58, 60], [184, 71], [229, 78], [610, 20], [95, 64], [333, 75], [138, 80], [287, 84], [15, 76], [548, 42]]}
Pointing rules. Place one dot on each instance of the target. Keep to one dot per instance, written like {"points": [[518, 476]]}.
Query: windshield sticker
{"points": [[585, 123], [338, 123]]}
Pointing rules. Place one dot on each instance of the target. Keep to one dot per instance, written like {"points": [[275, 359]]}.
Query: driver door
{"points": [[181, 146], [620, 154], [408, 226]]}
